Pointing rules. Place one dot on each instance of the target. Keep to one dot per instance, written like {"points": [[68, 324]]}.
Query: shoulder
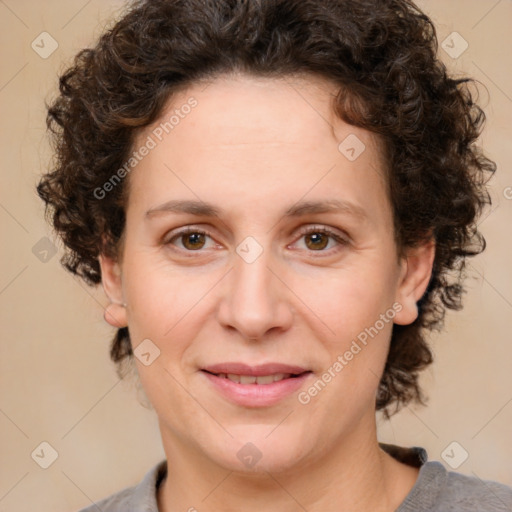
{"points": [[138, 497], [439, 490], [473, 493], [114, 503]]}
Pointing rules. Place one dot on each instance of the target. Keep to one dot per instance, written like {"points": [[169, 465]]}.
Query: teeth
{"points": [[247, 379], [265, 379], [251, 379]]}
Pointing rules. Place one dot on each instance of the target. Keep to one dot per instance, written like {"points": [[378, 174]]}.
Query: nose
{"points": [[255, 301]]}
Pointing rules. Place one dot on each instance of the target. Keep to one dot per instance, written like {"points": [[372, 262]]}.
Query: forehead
{"points": [[249, 133], [241, 108]]}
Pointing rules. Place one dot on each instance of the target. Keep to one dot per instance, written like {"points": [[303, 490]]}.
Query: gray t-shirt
{"points": [[435, 490]]}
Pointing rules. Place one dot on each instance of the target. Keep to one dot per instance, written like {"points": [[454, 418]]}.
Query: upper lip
{"points": [[256, 371]]}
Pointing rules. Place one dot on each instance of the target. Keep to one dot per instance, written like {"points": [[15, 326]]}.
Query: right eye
{"points": [[190, 239]]}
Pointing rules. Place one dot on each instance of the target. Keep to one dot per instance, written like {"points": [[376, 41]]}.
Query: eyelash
{"points": [[304, 232]]}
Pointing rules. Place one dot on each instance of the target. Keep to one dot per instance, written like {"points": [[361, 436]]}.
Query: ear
{"points": [[415, 275], [115, 313]]}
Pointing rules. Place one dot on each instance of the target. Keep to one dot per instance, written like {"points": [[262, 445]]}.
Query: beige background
{"points": [[57, 382]]}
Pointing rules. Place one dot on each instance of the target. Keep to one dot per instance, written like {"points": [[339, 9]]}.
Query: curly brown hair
{"points": [[383, 56]]}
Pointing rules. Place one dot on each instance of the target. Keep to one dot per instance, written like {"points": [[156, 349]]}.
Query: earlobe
{"points": [[115, 312], [415, 276], [115, 315]]}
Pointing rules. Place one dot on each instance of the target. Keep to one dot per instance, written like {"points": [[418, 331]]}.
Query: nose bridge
{"points": [[254, 302], [253, 278]]}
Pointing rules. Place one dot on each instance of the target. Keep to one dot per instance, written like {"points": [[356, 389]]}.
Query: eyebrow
{"points": [[200, 208]]}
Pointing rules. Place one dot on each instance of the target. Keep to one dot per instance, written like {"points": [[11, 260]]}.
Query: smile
{"points": [[253, 391], [252, 379]]}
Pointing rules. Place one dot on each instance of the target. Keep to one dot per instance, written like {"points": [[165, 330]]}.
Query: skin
{"points": [[253, 147]]}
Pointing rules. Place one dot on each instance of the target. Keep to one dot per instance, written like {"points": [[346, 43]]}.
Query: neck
{"points": [[352, 474]]}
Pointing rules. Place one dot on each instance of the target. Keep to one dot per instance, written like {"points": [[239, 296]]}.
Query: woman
{"points": [[276, 196]]}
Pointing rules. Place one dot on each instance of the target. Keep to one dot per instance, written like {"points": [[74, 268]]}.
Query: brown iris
{"points": [[193, 241], [318, 241]]}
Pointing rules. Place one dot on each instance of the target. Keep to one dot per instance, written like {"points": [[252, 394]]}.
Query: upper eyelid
{"points": [[322, 228]]}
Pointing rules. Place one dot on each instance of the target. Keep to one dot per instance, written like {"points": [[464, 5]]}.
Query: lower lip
{"points": [[257, 395]]}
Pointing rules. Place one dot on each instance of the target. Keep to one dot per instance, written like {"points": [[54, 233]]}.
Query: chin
{"points": [[254, 451]]}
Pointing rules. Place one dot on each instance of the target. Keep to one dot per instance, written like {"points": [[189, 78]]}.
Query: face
{"points": [[259, 243]]}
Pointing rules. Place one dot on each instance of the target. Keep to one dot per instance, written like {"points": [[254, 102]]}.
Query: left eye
{"points": [[319, 239]]}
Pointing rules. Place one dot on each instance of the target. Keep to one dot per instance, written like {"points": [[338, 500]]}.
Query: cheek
{"points": [[355, 346], [353, 315], [162, 302], [166, 308], [349, 300]]}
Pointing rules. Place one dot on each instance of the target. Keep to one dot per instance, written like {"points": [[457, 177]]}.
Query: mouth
{"points": [[259, 379], [261, 370], [256, 386]]}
